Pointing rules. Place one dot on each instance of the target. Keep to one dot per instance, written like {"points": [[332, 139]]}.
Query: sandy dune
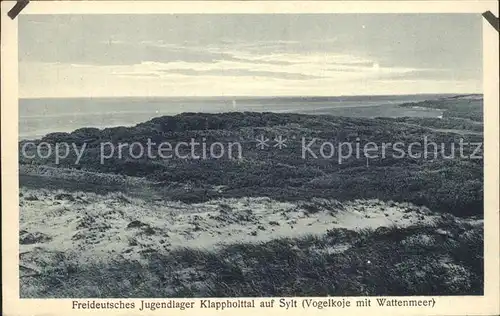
{"points": [[98, 227]]}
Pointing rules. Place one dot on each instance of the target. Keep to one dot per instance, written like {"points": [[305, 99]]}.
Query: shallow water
{"points": [[38, 117]]}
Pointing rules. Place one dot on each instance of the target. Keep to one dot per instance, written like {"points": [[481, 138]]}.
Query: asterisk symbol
{"points": [[280, 142], [262, 142]]}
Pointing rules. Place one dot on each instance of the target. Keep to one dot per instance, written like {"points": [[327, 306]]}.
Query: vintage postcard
{"points": [[250, 157]]}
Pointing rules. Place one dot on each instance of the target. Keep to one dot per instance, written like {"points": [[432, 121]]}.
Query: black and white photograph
{"points": [[250, 155]]}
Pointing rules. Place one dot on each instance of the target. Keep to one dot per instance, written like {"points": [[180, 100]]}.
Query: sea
{"points": [[38, 117]]}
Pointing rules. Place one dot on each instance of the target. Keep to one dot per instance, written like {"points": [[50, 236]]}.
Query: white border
{"points": [[485, 305]]}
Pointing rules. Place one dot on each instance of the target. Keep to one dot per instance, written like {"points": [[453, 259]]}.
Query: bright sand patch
{"points": [[99, 227]]}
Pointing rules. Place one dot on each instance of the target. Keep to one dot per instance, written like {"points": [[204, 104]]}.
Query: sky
{"points": [[251, 55]]}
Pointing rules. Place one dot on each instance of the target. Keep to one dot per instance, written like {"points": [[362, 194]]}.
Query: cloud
{"points": [[149, 63], [242, 73], [205, 79], [286, 65]]}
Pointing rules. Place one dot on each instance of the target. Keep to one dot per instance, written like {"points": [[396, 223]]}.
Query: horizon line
{"points": [[257, 96]]}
